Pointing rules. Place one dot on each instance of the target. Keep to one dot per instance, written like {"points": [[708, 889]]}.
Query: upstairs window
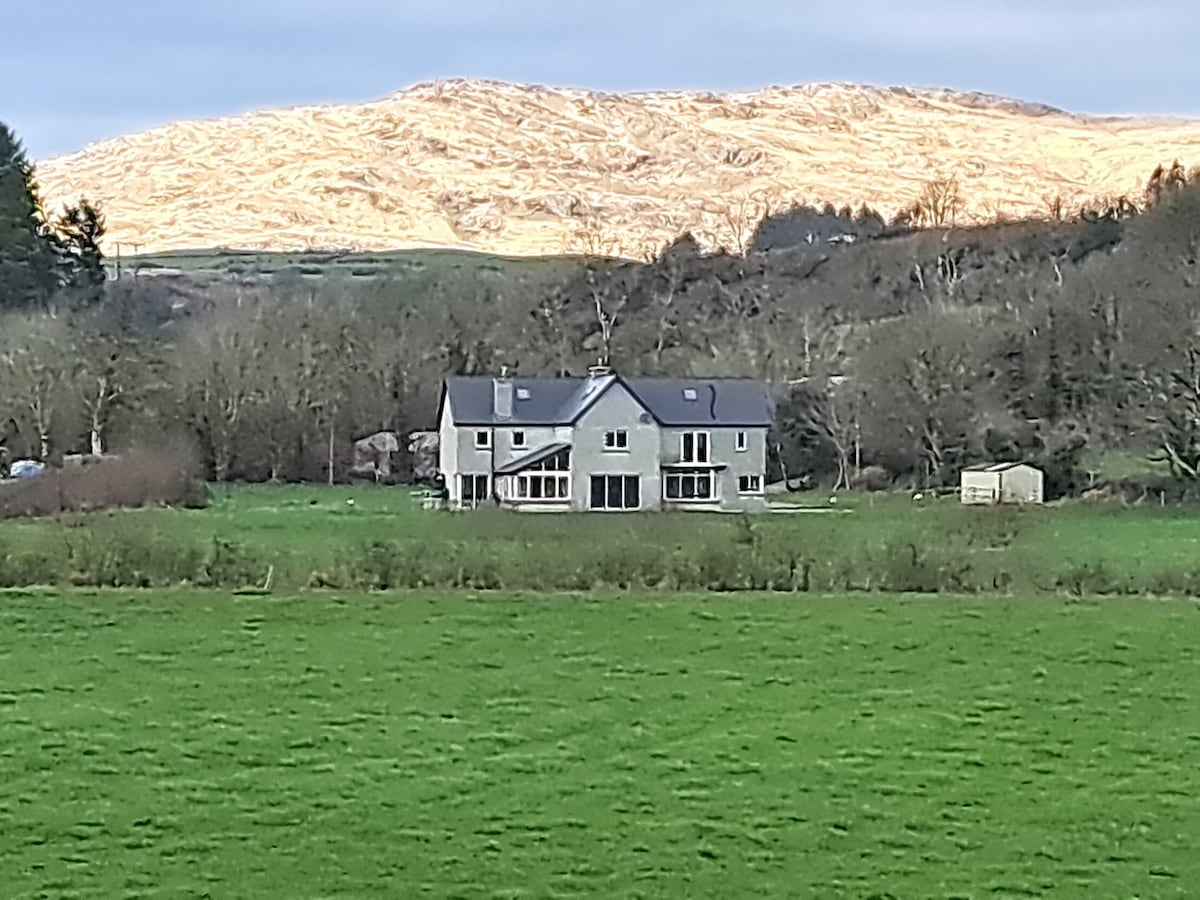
{"points": [[741, 442], [693, 447], [483, 440], [518, 439], [616, 440]]}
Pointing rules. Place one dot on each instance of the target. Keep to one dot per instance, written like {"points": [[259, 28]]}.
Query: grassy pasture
{"points": [[188, 744], [868, 543]]}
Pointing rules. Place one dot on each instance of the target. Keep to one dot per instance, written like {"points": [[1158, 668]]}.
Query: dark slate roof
{"points": [[560, 401], [471, 400], [719, 401], [531, 458]]}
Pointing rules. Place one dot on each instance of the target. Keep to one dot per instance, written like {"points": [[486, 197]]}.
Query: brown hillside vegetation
{"points": [[538, 171]]}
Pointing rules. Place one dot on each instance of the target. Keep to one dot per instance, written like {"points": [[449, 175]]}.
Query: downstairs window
{"points": [[687, 485], [749, 484], [615, 492]]}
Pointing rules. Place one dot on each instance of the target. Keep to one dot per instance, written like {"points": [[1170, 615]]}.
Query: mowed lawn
{"points": [[192, 744]]}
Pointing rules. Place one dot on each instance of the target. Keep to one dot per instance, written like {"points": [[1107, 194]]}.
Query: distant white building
{"points": [[993, 483]]}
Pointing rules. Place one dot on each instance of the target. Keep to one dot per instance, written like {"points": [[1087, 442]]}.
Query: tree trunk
{"points": [[331, 453]]}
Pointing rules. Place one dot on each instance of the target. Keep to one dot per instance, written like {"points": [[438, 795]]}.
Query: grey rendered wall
{"points": [[616, 409], [448, 453], [469, 460], [536, 437], [723, 449], [751, 461]]}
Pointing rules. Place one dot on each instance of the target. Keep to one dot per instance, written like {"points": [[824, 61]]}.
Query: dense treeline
{"points": [[899, 356]]}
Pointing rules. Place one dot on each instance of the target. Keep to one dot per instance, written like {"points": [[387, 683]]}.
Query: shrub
{"points": [[227, 564], [127, 556], [26, 568], [141, 477], [872, 478]]}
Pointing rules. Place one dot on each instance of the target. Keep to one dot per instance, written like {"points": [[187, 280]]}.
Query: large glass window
{"points": [[543, 486], [688, 485], [473, 489], [616, 492], [548, 480]]}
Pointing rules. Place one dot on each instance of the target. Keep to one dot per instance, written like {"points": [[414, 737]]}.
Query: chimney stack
{"points": [[600, 369], [502, 394]]}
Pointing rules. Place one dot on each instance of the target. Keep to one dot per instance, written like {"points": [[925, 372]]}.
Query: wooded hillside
{"points": [[901, 355]]}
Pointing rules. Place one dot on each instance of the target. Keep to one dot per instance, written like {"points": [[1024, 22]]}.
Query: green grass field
{"points": [[194, 744], [868, 543]]}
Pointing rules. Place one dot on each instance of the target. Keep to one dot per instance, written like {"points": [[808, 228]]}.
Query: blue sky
{"points": [[85, 70]]}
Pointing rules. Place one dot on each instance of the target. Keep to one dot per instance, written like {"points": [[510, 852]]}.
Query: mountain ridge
{"points": [[527, 170]]}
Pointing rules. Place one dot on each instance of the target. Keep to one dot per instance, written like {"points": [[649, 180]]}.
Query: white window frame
{"points": [[486, 435], [696, 477], [474, 477], [697, 457], [558, 483], [750, 484], [616, 441], [625, 477], [742, 442], [518, 443]]}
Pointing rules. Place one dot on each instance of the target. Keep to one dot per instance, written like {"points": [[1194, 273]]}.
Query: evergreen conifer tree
{"points": [[29, 262]]}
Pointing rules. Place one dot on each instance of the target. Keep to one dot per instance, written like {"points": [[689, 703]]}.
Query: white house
{"points": [[992, 483], [604, 442]]}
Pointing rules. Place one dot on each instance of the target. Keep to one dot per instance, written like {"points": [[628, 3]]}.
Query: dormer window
{"points": [[689, 393], [522, 393]]}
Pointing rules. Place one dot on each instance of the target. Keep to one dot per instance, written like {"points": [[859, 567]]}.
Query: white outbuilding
{"points": [[992, 483]]}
